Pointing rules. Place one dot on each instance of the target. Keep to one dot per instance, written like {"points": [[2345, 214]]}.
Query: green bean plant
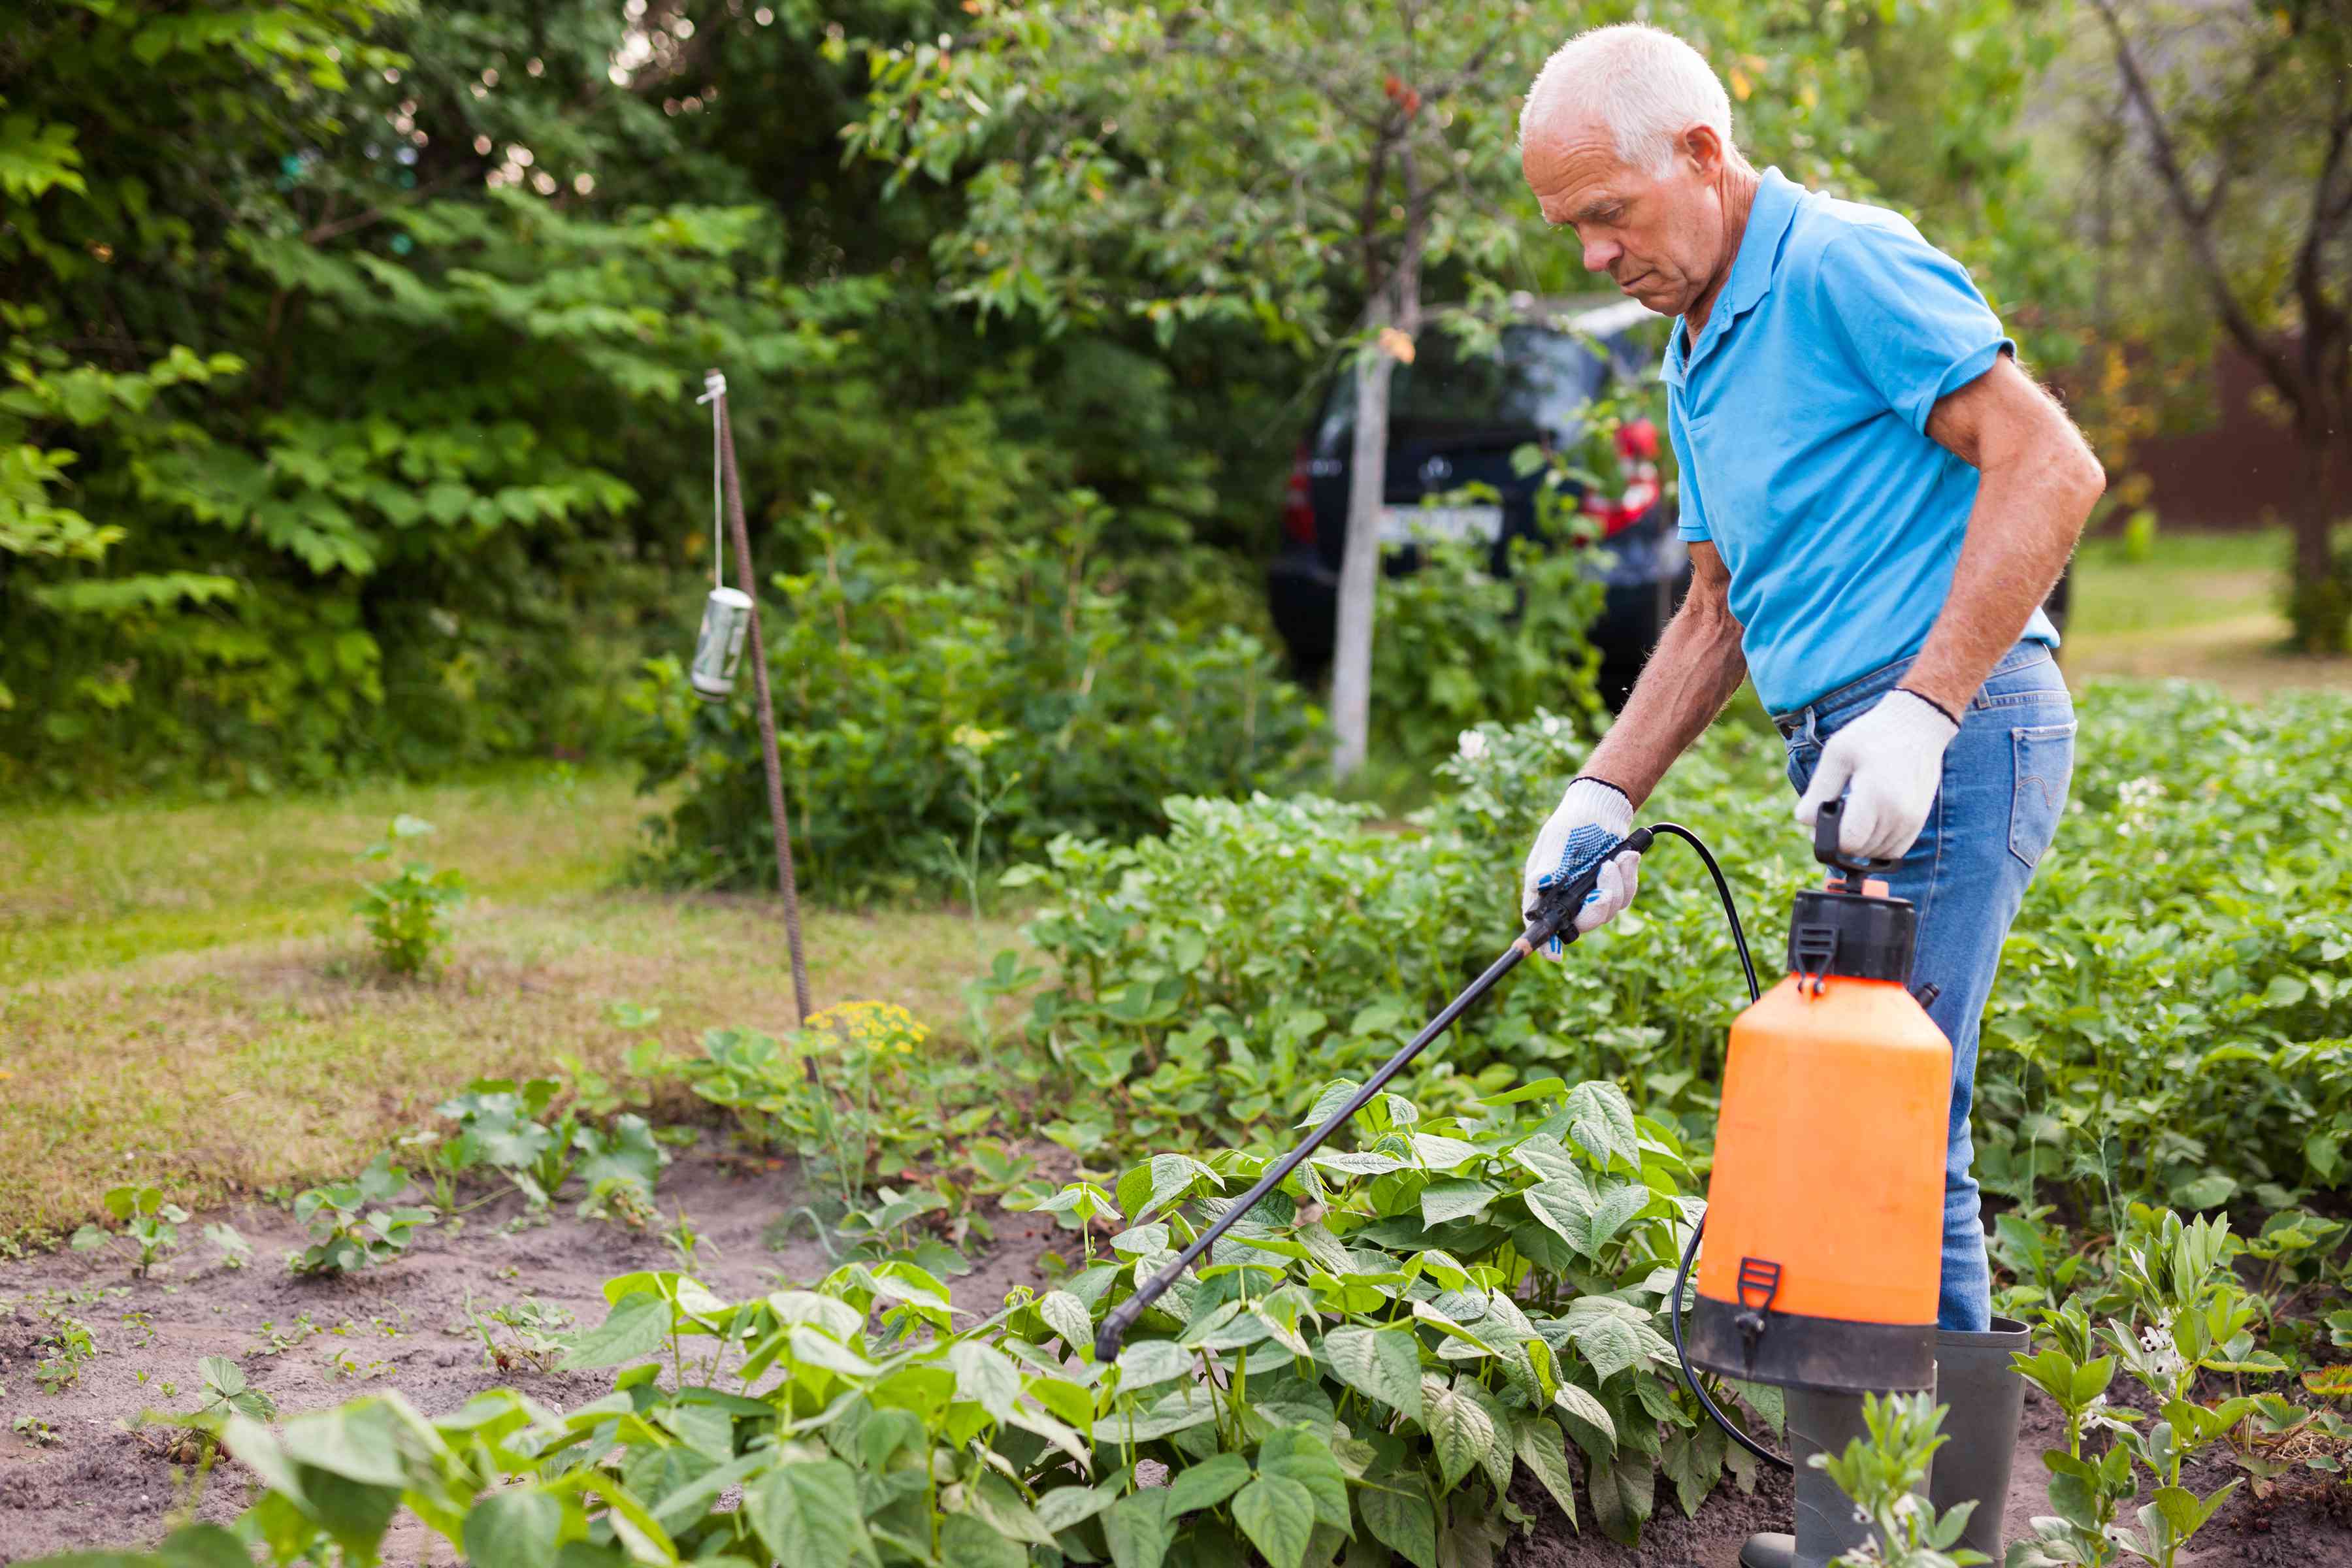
{"points": [[346, 1234], [1394, 1355], [150, 1225]]}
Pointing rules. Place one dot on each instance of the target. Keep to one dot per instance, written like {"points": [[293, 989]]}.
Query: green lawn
{"points": [[186, 995], [2202, 606]]}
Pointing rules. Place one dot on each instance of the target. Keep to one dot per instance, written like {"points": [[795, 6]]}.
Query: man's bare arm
{"points": [[2038, 482], [1696, 667]]}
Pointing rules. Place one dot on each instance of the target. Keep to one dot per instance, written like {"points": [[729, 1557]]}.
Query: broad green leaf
{"points": [[516, 1527], [1066, 1507], [1625, 1492], [1277, 1514], [1540, 1446], [1402, 1520], [1458, 1428], [636, 1328], [983, 1374], [1458, 1198], [1143, 1363], [1206, 1484], [1301, 1455], [1378, 1364], [1067, 1316], [968, 1539], [1139, 1529], [808, 1513], [1588, 1419]]}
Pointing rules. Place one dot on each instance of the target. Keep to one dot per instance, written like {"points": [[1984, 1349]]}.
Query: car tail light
{"points": [[1637, 447], [1297, 503]]}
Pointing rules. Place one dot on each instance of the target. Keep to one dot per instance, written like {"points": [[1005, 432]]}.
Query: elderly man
{"points": [[1877, 498]]}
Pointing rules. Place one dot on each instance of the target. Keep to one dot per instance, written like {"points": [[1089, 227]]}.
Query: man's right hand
{"points": [[1592, 816]]}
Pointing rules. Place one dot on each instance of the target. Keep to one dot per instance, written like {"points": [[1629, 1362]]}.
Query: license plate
{"points": [[1405, 525]]}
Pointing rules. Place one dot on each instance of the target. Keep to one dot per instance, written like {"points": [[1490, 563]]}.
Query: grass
{"points": [[185, 997], [2201, 605]]}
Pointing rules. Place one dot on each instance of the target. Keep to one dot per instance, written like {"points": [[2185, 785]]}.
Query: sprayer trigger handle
{"points": [[1556, 906], [1829, 816]]}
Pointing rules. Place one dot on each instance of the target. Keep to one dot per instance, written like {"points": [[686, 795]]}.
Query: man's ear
{"points": [[1704, 148]]}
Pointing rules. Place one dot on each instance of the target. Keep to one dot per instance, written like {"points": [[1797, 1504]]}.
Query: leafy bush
{"points": [[1374, 1355], [407, 912], [911, 700], [2171, 1015], [1457, 645]]}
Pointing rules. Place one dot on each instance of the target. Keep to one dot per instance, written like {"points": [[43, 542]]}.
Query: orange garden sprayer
{"points": [[1826, 1198]]}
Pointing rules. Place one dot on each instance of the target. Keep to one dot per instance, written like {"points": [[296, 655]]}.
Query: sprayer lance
{"points": [[1555, 916]]}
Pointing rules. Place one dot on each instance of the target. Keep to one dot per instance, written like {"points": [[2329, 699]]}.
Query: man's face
{"points": [[1659, 237]]}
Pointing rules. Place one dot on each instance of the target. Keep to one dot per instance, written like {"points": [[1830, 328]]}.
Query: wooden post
{"points": [[784, 880]]}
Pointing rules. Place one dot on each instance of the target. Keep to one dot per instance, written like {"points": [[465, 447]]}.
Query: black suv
{"points": [[1455, 419]]}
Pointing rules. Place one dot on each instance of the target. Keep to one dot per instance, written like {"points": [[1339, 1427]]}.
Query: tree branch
{"points": [[2199, 226]]}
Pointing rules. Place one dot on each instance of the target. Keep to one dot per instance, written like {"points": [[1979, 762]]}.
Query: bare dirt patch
{"points": [[311, 1344]]}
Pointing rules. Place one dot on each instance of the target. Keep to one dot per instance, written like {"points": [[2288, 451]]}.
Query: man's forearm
{"points": [[1693, 673], [2039, 481]]}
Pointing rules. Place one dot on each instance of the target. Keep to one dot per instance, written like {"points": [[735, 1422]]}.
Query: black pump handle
{"points": [[1826, 844]]}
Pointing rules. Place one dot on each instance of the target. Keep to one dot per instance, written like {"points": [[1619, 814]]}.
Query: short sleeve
{"points": [[1911, 317], [1691, 514]]}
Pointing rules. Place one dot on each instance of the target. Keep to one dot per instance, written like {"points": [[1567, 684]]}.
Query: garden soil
{"points": [[309, 1343], [104, 1482]]}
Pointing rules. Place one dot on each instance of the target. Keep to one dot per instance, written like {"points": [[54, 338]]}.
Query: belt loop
{"points": [[1812, 711]]}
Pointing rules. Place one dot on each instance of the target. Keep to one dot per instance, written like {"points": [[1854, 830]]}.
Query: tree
{"points": [[1323, 170], [2245, 114]]}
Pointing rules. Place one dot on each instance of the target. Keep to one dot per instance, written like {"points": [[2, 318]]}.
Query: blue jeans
{"points": [[2005, 779]]}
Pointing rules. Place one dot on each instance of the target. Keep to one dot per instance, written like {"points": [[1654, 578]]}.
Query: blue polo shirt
{"points": [[1799, 418]]}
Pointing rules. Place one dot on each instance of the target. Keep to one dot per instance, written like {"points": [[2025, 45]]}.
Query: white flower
{"points": [[1472, 746], [1550, 725]]}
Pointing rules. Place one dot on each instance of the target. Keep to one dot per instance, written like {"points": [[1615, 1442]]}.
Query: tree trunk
{"points": [[1360, 561]]}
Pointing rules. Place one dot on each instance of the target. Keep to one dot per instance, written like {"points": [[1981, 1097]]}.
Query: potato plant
{"points": [[1365, 1367], [2173, 1019]]}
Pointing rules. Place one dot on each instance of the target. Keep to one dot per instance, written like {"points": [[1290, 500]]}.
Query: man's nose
{"points": [[1601, 254]]}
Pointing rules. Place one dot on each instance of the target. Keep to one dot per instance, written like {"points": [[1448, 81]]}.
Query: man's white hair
{"points": [[1645, 85]]}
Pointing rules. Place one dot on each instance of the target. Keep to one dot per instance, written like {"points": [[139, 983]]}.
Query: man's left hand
{"points": [[1892, 757]]}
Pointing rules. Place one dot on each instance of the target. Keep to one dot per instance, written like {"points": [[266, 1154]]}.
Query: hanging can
{"points": [[718, 649]]}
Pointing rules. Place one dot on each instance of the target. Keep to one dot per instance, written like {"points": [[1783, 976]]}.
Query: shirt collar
{"points": [[1768, 216]]}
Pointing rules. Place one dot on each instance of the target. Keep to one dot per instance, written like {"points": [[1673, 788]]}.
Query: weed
{"points": [[34, 1430], [68, 1348], [1880, 1474]]}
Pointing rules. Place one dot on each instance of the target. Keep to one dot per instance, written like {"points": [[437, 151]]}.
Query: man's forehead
{"points": [[1575, 164]]}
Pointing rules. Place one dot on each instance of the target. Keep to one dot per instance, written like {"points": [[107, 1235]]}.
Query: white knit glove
{"points": [[1893, 759], [1592, 816]]}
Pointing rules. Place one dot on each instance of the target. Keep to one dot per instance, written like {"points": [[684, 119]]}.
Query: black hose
{"points": [[1690, 1250]]}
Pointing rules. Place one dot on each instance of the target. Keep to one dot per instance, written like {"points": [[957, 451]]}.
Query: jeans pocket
{"points": [[1804, 756], [2045, 768]]}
